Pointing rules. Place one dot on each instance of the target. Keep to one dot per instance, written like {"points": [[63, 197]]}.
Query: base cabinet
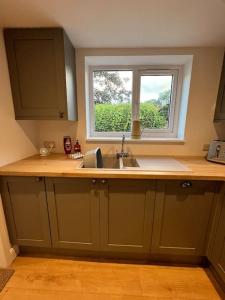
{"points": [[218, 248], [104, 215], [126, 217], [25, 205], [74, 213], [181, 218], [144, 217]]}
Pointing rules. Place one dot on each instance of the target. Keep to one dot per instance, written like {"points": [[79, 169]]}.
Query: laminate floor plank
{"points": [[67, 279]]}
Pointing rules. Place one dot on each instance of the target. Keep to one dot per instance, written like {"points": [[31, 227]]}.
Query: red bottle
{"points": [[67, 144], [77, 147]]}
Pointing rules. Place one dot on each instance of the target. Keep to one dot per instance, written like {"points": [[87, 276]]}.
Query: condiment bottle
{"points": [[67, 144], [77, 148]]}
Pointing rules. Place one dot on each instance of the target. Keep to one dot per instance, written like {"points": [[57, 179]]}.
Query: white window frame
{"points": [[171, 132]]}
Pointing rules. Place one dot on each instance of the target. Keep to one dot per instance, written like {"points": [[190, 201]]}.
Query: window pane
{"points": [[112, 92], [155, 101]]}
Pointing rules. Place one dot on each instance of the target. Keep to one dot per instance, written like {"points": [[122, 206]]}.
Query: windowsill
{"points": [[136, 141]]}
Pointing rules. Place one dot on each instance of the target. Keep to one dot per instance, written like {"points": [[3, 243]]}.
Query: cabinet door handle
{"points": [[186, 184], [61, 114], [38, 179], [94, 181], [103, 181]]}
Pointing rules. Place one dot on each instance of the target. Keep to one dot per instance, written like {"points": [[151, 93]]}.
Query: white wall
{"points": [[55, 131], [200, 129], [18, 139]]}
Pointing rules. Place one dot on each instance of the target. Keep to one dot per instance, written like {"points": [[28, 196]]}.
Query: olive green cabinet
{"points": [[126, 215], [74, 213], [26, 210], [181, 217], [42, 73], [114, 215], [220, 106], [143, 217], [217, 255]]}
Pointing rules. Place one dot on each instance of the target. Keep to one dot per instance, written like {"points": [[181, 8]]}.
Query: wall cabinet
{"points": [[42, 73], [26, 211], [74, 213], [220, 106], [181, 219], [127, 208]]}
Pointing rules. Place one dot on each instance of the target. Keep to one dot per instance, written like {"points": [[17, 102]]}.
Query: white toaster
{"points": [[216, 152]]}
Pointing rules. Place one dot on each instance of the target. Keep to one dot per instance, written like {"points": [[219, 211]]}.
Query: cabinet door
{"points": [[218, 251], [37, 72], [74, 213], [220, 105], [126, 215], [182, 214], [25, 206]]}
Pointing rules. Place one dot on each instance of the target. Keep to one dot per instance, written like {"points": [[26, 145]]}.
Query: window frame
{"points": [[138, 70], [169, 132]]}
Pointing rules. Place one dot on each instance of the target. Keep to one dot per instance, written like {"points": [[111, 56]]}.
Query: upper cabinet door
{"points": [[220, 106], [74, 213], [126, 215], [26, 211], [182, 214], [42, 73]]}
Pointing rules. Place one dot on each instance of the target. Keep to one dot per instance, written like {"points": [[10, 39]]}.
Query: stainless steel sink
{"points": [[155, 164], [129, 162], [112, 162]]}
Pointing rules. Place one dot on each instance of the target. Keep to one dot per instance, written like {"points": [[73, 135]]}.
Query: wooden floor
{"points": [[59, 279]]}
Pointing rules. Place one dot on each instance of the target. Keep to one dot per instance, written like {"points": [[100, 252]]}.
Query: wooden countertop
{"points": [[58, 165]]}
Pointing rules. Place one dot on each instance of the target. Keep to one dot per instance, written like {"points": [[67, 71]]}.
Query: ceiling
{"points": [[124, 23]]}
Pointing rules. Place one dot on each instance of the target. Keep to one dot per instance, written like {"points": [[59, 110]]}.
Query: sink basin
{"points": [[129, 162], [110, 162]]}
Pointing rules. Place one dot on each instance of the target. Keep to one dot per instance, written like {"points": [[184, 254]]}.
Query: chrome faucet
{"points": [[122, 153]]}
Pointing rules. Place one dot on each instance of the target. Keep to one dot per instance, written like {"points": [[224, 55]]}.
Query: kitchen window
{"points": [[118, 95]]}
